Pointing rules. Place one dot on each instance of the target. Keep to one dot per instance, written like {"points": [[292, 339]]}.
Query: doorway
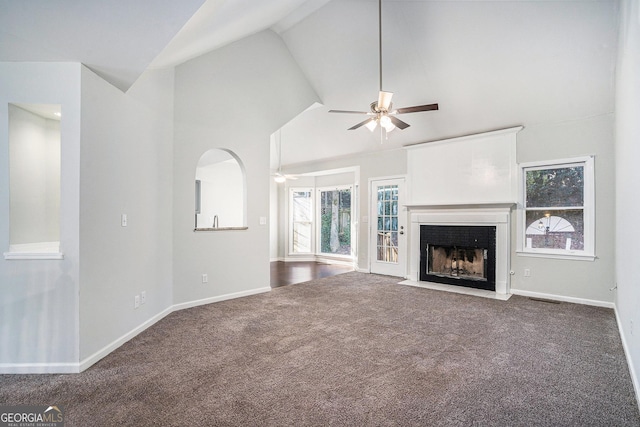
{"points": [[388, 238]]}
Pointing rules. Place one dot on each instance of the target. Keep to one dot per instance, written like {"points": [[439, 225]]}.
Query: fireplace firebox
{"points": [[458, 255]]}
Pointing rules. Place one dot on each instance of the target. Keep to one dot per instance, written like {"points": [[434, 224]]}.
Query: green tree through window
{"points": [[335, 221], [557, 212]]}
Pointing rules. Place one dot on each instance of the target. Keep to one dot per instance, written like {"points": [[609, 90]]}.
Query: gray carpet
{"points": [[355, 349]]}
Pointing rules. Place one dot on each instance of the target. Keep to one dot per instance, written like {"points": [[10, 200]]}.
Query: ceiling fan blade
{"points": [[399, 123], [384, 100], [370, 119], [349, 112], [416, 109]]}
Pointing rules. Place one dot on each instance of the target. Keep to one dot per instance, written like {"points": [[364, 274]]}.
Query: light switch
{"points": [[123, 220], [263, 220]]}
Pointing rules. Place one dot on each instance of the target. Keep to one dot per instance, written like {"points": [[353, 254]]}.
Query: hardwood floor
{"points": [[288, 273]]}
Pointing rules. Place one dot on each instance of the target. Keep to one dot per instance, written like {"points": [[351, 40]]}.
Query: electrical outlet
{"points": [[263, 220], [527, 272], [205, 278], [136, 301], [143, 297]]}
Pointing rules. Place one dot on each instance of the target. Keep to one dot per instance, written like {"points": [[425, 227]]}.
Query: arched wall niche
{"points": [[220, 191], [34, 177]]}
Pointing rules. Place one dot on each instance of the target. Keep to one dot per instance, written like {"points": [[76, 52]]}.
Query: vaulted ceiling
{"points": [[489, 64]]}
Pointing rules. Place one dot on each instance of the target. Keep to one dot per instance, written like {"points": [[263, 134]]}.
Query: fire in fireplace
{"points": [[458, 255]]}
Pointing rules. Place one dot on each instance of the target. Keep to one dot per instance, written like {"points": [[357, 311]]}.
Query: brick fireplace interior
{"points": [[458, 255]]}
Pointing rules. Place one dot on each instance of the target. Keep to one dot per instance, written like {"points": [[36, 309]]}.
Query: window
{"points": [[335, 221], [557, 212], [301, 214]]}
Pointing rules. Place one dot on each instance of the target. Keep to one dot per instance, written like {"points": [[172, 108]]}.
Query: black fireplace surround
{"points": [[464, 238]]}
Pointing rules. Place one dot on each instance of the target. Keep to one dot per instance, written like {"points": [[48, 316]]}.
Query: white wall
{"points": [[586, 280], [232, 98], [469, 170], [590, 280], [274, 227], [39, 304], [126, 168], [35, 177], [627, 174]]}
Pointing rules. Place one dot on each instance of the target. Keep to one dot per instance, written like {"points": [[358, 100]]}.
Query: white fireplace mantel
{"points": [[486, 214]]}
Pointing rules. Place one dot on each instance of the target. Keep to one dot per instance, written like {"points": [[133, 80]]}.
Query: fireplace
{"points": [[458, 255], [470, 244]]}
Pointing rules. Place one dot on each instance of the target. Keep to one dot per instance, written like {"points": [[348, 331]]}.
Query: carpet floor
{"points": [[354, 350]]}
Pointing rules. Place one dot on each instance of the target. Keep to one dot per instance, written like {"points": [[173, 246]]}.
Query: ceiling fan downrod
{"points": [[380, 41], [381, 113]]}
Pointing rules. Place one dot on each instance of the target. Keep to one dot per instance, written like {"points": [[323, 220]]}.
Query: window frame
{"points": [[291, 221], [318, 224], [588, 253]]}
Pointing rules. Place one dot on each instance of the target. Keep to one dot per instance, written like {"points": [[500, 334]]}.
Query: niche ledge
{"points": [[33, 255], [221, 229], [34, 251]]}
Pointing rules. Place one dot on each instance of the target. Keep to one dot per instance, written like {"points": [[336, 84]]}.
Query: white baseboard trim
{"points": [[562, 298], [300, 259], [219, 298], [322, 260], [39, 368], [333, 261], [363, 270], [74, 368], [104, 351], [627, 354]]}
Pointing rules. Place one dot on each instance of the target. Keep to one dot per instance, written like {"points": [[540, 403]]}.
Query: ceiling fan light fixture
{"points": [[386, 123], [372, 125], [279, 179]]}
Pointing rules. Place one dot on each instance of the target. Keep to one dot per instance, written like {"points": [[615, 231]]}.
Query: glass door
{"points": [[388, 227]]}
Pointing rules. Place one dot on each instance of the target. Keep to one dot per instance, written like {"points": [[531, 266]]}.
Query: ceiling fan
{"points": [[381, 112], [278, 176]]}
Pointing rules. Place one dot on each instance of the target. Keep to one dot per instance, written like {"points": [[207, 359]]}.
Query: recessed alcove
{"points": [[34, 181], [220, 192]]}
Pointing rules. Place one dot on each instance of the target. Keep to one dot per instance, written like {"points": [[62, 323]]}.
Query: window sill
{"points": [[567, 256], [336, 256], [11, 256]]}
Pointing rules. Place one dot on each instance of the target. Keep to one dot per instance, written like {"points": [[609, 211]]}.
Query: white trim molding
{"points": [[627, 354], [220, 298], [39, 368], [34, 251], [588, 209], [106, 350], [554, 297], [14, 256], [74, 368], [465, 215]]}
